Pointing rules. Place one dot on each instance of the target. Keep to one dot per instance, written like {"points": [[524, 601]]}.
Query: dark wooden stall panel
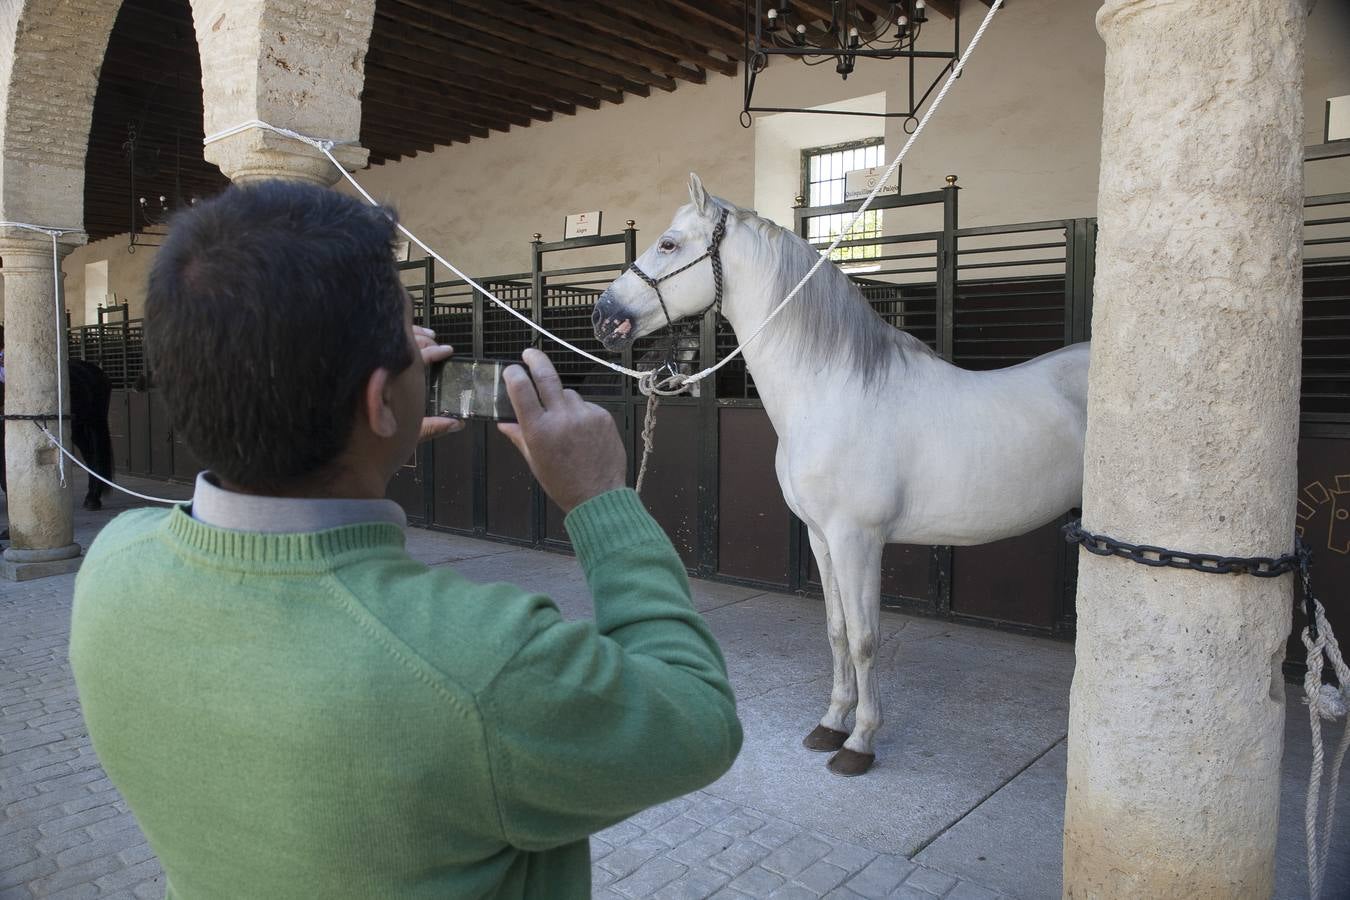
{"points": [[510, 502], [906, 573], [452, 467], [185, 466], [671, 489], [119, 424], [161, 439], [754, 521], [406, 488], [1012, 580], [138, 433], [1324, 523]]}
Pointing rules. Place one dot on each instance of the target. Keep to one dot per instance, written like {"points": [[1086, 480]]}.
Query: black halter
{"points": [[712, 253]]}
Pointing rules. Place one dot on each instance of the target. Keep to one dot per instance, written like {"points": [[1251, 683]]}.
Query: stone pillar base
{"points": [[26, 565]]}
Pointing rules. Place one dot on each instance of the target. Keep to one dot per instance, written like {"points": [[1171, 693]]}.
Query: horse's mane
{"points": [[830, 320]]}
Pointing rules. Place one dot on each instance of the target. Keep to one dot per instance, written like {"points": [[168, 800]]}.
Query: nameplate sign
{"points": [[586, 224], [1338, 119], [859, 183]]}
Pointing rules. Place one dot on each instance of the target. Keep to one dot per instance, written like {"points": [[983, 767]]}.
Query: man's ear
{"points": [[379, 414]]}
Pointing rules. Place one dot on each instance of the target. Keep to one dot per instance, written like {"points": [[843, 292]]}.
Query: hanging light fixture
{"points": [[843, 31]]}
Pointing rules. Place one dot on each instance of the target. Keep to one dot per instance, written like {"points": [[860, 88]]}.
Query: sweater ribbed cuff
{"points": [[608, 522]]}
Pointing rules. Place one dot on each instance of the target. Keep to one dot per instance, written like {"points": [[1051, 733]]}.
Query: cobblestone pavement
{"points": [[66, 834]]}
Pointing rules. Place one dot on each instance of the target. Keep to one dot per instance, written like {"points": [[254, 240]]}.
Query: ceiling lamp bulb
{"points": [[853, 38], [799, 36], [773, 19], [920, 12]]}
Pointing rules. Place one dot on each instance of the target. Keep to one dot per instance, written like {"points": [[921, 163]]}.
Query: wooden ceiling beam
{"points": [[946, 7], [406, 140], [383, 120], [489, 21], [473, 92], [421, 63], [605, 19], [431, 32], [534, 22], [437, 51], [446, 111], [693, 36], [735, 28]]}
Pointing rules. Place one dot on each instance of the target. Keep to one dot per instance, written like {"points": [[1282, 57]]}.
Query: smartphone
{"points": [[469, 389]]}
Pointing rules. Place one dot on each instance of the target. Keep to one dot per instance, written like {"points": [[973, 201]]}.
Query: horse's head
{"points": [[631, 307]]}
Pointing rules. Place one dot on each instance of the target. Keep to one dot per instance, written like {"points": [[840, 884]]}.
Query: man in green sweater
{"points": [[291, 705]]}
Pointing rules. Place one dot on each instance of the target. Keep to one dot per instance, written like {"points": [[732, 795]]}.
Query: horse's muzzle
{"points": [[613, 323]]}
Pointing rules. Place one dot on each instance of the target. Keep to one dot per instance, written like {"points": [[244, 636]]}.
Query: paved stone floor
{"points": [[965, 802]]}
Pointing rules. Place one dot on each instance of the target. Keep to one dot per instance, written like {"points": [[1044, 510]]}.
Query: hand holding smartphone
{"points": [[469, 389], [571, 446]]}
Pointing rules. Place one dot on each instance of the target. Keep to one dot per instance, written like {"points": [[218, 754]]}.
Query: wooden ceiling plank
{"points": [[693, 35], [945, 7], [443, 112], [398, 72], [531, 20], [429, 32], [490, 20], [605, 19], [735, 28], [435, 51], [418, 125], [471, 91]]}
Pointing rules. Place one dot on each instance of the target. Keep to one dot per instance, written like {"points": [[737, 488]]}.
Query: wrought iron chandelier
{"points": [[148, 211], [818, 31]]}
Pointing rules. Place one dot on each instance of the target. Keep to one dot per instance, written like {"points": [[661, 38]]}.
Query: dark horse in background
{"points": [[90, 397]]}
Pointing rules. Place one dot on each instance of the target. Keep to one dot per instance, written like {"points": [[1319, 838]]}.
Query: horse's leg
{"points": [[84, 442], [857, 562], [830, 734], [103, 465]]}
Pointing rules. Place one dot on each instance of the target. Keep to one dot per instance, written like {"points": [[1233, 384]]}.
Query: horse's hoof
{"points": [[93, 505], [824, 740], [850, 762]]}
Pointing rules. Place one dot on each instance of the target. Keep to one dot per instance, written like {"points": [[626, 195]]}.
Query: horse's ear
{"points": [[697, 195]]}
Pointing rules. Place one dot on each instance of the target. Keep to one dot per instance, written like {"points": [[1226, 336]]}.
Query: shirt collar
{"points": [[214, 505]]}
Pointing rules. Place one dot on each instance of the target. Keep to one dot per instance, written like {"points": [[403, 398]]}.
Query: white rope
{"points": [[326, 148], [1324, 702], [647, 383], [117, 487]]}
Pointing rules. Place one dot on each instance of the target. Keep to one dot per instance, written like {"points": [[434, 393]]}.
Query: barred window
{"points": [[823, 170]]}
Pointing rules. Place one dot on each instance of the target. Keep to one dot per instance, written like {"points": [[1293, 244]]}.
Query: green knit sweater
{"points": [[320, 716]]}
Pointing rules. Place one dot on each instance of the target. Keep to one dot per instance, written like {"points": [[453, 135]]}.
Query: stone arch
{"points": [[292, 63], [51, 52]]}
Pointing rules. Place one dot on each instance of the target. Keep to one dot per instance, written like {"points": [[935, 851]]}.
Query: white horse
{"points": [[879, 439]]}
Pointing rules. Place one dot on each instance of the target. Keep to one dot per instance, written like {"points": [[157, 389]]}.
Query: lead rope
{"points": [[648, 439], [1324, 702]]}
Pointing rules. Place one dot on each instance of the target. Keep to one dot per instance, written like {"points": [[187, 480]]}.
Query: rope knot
{"points": [[664, 381]]}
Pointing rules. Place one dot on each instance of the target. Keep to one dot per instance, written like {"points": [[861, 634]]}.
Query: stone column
{"points": [[1177, 707], [41, 524], [292, 63]]}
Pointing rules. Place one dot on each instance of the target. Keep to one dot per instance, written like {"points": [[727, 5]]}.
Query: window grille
{"points": [[823, 170]]}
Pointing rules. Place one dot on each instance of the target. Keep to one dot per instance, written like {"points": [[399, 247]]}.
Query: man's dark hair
{"points": [[268, 308]]}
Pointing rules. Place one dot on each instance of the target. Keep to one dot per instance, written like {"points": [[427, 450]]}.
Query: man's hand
{"points": [[572, 446], [432, 352]]}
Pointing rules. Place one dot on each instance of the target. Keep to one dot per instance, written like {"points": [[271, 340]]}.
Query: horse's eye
{"points": [[666, 245]]}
